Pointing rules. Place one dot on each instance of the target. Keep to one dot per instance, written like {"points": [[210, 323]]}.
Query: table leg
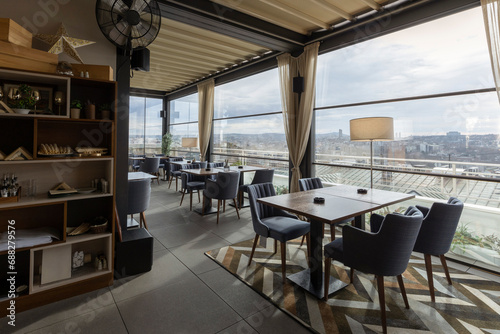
{"points": [[312, 279], [206, 207]]}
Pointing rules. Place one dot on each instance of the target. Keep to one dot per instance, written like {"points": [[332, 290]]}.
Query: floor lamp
{"points": [[372, 129], [189, 142]]}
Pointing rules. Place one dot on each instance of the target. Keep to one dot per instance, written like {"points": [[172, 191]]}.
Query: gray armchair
{"points": [[191, 183], [151, 166], [261, 176], [273, 223], [223, 188], [139, 194], [384, 253], [436, 234]]}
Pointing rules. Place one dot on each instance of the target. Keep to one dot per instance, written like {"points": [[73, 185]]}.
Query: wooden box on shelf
{"points": [[23, 58], [11, 199], [100, 72], [13, 33]]}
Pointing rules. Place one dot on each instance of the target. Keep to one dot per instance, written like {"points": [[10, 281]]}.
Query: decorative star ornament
{"points": [[61, 42]]}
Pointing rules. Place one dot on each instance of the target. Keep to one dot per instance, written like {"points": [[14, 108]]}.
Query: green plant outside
{"points": [[166, 143], [281, 189]]}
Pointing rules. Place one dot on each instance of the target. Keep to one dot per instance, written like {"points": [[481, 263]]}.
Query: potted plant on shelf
{"points": [[21, 99], [105, 110], [76, 106]]}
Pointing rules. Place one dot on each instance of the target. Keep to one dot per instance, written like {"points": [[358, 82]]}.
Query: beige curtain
{"points": [[205, 114], [297, 117], [491, 16]]}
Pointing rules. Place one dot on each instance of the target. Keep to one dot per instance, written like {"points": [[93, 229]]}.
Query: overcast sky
{"points": [[444, 55]]}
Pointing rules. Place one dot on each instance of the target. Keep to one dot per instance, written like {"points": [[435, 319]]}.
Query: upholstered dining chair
{"points": [[139, 193], [175, 173], [261, 176], [191, 183], [384, 253], [273, 223], [315, 183], [436, 234], [225, 187], [151, 166]]}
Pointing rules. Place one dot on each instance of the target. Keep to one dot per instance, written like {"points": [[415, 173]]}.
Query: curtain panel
{"points": [[491, 17], [205, 114], [297, 113]]}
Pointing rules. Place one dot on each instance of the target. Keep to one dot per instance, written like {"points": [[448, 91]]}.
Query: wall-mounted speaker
{"points": [[140, 60], [298, 85]]}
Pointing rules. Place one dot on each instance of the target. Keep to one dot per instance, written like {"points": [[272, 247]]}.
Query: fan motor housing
{"points": [[140, 60]]}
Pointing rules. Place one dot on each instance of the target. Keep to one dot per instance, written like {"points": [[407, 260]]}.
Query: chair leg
{"points": [[170, 181], [176, 184], [403, 290], [198, 191], [191, 200], [224, 206], [218, 210], [326, 280], [143, 219], [430, 280], [351, 275], [381, 298], [253, 248], [182, 198], [275, 246], [445, 267], [302, 242], [236, 207], [283, 261], [308, 246]]}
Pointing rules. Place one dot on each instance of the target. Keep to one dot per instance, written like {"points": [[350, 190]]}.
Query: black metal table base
{"points": [[207, 211], [303, 279]]}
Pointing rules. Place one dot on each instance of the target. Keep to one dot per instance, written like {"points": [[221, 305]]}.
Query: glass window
{"points": [[184, 109], [145, 125], [257, 94], [445, 55]]}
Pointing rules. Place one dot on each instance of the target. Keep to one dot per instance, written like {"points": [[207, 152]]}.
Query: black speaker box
{"points": [[140, 60]]}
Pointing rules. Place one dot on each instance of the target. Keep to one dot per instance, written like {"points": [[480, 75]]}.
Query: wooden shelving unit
{"points": [[60, 213]]}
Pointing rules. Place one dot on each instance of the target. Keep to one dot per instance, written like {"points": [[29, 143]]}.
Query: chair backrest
{"points": [[215, 164], [225, 187], [259, 210], [263, 176], [438, 227], [175, 158], [150, 165], [310, 183], [387, 252], [139, 193], [200, 164]]}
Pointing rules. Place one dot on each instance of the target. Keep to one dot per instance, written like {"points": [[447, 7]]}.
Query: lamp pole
{"points": [[371, 163]]}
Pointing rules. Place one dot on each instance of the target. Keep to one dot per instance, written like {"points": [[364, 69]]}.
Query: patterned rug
{"points": [[470, 305]]}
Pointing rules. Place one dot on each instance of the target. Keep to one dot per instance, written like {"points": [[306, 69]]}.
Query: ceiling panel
{"points": [[182, 54], [191, 47]]}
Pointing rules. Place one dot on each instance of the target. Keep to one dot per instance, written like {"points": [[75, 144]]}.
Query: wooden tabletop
{"points": [[242, 169], [201, 171], [139, 176], [341, 202]]}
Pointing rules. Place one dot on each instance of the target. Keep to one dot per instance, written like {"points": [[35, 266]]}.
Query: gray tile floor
{"points": [[185, 292]]}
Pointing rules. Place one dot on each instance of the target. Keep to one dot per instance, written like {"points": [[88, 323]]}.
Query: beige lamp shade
{"points": [[190, 142], [372, 128]]}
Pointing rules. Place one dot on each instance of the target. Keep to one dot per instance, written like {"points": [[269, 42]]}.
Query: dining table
{"points": [[207, 202], [244, 169], [339, 202]]}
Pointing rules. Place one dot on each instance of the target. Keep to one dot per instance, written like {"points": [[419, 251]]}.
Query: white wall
{"points": [[78, 16]]}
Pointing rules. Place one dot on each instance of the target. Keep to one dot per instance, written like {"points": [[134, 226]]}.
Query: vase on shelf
{"points": [[21, 111]]}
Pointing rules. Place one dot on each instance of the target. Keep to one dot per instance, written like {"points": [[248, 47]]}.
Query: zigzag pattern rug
{"points": [[470, 305]]}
